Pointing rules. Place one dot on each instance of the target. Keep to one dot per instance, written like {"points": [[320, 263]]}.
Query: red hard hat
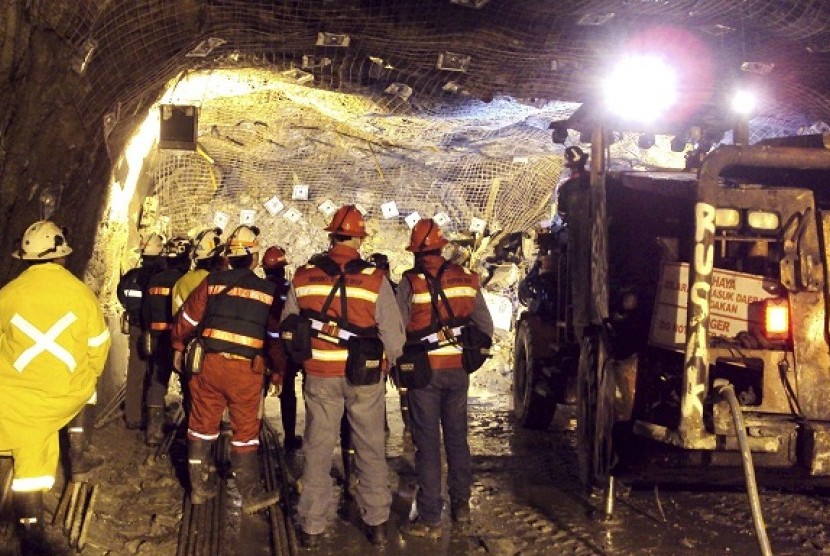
{"points": [[348, 221], [274, 257], [426, 236]]}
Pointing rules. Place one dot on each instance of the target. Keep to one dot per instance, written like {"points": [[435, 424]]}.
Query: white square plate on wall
{"points": [[221, 219], [300, 192], [477, 225], [247, 217], [327, 207], [292, 215], [273, 205], [412, 219], [389, 210]]}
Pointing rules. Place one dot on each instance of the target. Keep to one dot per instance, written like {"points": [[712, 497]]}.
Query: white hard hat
{"points": [[243, 241], [42, 241], [153, 247], [206, 243]]}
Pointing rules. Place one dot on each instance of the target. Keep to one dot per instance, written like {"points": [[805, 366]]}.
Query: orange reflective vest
{"points": [[158, 302], [313, 286], [460, 286]]}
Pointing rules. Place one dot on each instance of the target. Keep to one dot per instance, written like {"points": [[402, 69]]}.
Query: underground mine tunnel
{"points": [[124, 119]]}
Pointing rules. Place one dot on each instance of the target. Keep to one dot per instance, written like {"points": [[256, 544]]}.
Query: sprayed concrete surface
{"points": [[526, 500]]}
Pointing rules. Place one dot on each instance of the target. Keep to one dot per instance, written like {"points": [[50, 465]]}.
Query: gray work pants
{"points": [[325, 399]]}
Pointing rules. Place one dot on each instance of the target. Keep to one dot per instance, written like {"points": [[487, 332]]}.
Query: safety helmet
{"points": [[274, 257], [347, 221], [153, 246], [42, 241], [426, 236], [206, 243], [177, 247], [242, 241], [379, 260]]}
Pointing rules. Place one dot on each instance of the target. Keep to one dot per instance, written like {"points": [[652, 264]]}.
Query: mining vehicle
{"points": [[663, 286]]}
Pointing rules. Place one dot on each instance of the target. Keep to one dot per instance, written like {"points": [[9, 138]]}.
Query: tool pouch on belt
{"points": [[194, 355], [295, 334], [412, 370], [148, 343], [125, 322], [363, 364], [475, 346]]}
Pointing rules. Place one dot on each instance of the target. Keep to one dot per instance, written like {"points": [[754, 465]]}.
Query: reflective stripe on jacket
{"points": [[53, 346], [460, 287], [158, 313], [312, 286], [234, 322]]}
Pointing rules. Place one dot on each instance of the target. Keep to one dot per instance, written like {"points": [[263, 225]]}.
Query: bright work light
{"points": [[744, 102], [641, 88]]}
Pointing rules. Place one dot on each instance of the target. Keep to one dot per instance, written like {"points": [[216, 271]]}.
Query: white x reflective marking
{"points": [[44, 342]]}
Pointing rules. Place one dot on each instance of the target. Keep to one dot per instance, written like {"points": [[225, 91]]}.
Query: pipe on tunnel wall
{"points": [[696, 358]]}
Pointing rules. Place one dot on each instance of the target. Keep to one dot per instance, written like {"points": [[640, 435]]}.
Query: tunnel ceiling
{"points": [[80, 75], [526, 49]]}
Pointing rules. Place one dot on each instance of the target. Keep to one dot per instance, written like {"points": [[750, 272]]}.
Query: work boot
{"points": [[460, 511], [376, 534], [82, 461], [309, 540], [155, 426], [246, 471], [420, 528], [203, 481], [28, 508]]}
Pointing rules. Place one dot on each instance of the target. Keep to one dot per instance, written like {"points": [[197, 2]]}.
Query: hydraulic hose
{"points": [[725, 389]]}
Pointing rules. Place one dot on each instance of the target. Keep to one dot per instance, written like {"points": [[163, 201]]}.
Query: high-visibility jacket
{"points": [[460, 286], [234, 321], [158, 312], [185, 286], [53, 346], [133, 285], [312, 287]]}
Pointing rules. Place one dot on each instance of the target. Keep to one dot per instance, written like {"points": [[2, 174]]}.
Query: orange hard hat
{"points": [[426, 236], [348, 221], [274, 257]]}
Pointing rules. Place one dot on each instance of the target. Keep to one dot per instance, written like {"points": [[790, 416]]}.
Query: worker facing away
{"points": [[339, 318], [53, 347], [446, 317], [226, 317]]}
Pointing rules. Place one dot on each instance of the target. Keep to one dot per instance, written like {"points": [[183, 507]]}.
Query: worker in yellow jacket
{"points": [[53, 346]]}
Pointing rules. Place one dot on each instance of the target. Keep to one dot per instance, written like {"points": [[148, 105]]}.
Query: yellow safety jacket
{"points": [[185, 286], [53, 346]]}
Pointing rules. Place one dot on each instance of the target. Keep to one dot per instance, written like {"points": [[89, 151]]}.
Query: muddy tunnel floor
{"points": [[526, 500]]}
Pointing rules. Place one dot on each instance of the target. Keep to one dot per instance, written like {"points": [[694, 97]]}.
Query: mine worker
{"points": [[274, 263], [436, 297], [158, 315], [53, 346], [354, 318], [207, 256], [227, 314], [131, 291]]}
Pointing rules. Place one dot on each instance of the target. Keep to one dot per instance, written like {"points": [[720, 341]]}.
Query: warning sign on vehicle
{"points": [[729, 300]]}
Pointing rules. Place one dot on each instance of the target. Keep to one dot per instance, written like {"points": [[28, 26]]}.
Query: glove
{"points": [[275, 389], [178, 361]]}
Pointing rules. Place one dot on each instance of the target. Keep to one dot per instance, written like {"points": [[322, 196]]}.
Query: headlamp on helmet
{"points": [[243, 241]]}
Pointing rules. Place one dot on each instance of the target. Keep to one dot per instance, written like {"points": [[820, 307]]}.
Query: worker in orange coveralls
{"points": [[227, 315]]}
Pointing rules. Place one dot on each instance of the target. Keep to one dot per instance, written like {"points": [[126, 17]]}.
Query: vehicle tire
{"points": [[595, 415], [533, 401]]}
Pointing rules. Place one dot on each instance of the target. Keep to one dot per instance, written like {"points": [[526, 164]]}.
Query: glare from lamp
{"points": [[641, 88], [744, 102]]}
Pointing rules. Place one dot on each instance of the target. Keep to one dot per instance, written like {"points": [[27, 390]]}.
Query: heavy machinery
{"points": [[662, 288]]}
